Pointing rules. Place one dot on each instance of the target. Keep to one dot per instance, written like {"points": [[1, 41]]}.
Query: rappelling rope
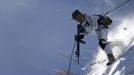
{"points": [[70, 61], [116, 7]]}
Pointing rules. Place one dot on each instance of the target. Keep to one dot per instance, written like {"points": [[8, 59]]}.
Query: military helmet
{"points": [[75, 13]]}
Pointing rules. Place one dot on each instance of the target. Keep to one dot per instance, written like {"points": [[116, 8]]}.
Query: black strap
{"points": [[87, 24], [106, 27], [98, 21]]}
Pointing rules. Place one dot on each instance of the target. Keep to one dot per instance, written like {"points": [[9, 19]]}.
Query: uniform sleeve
{"points": [[92, 26]]}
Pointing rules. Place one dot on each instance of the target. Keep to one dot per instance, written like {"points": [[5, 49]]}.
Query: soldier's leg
{"points": [[105, 45]]}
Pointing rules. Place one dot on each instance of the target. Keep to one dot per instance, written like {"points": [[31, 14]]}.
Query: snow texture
{"points": [[122, 38], [63, 72]]}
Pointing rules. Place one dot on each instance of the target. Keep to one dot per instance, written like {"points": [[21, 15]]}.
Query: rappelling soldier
{"points": [[98, 23]]}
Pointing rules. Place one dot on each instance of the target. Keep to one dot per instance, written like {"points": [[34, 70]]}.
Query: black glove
{"points": [[81, 29], [79, 38]]}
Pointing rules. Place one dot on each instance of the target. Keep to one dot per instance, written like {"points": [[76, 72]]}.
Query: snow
{"points": [[123, 49], [63, 72]]}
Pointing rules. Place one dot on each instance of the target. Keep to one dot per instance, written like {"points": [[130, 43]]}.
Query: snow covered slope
{"points": [[122, 38], [123, 66]]}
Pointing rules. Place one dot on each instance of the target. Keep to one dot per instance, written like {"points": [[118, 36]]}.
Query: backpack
{"points": [[104, 20]]}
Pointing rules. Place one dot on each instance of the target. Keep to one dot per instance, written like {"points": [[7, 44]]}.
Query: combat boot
{"points": [[111, 59]]}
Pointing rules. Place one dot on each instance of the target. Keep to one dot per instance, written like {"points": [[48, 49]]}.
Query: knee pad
{"points": [[102, 44]]}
